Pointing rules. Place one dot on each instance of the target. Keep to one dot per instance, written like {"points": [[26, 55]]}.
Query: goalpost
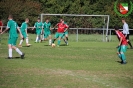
{"points": [[105, 24]]}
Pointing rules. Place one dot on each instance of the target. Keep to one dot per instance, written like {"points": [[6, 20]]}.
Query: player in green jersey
{"points": [[24, 27], [39, 27], [12, 25], [47, 30], [65, 35]]}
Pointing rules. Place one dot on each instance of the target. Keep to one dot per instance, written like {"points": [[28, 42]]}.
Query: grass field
{"points": [[83, 64]]}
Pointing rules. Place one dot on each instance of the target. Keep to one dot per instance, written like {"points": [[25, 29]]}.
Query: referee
{"points": [[126, 32]]}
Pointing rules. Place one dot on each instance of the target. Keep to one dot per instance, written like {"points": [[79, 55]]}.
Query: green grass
{"points": [[83, 64]]}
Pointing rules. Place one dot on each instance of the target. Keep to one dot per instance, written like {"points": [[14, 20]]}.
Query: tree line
{"points": [[32, 9]]}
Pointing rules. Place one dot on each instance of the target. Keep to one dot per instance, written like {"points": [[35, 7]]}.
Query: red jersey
{"points": [[1, 24], [61, 27], [120, 35]]}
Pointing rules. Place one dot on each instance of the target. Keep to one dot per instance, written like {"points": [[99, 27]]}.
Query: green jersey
{"points": [[46, 26], [13, 28], [24, 27], [38, 25]]}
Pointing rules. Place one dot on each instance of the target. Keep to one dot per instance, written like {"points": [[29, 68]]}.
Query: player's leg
{"points": [[27, 41], [129, 41], [46, 36], [66, 37], [56, 36], [42, 35], [9, 51], [11, 45], [20, 43], [38, 35], [119, 54], [50, 38], [59, 40], [122, 51]]}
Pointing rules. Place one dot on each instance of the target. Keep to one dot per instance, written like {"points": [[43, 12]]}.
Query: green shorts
{"points": [[24, 34], [122, 48], [46, 34], [66, 33], [57, 35], [38, 32], [12, 41]]}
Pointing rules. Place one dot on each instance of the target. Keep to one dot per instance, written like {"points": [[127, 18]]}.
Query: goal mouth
{"points": [[81, 21]]}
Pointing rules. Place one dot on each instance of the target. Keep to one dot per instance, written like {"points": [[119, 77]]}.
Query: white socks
{"points": [[27, 41], [10, 52], [50, 41], [18, 51], [37, 39], [21, 41]]}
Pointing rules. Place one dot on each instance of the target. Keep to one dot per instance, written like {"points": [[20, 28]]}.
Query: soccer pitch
{"points": [[83, 64]]}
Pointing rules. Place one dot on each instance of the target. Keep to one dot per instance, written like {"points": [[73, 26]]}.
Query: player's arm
{"points": [[66, 28], [34, 27], [19, 32], [1, 27], [5, 30], [55, 26]]}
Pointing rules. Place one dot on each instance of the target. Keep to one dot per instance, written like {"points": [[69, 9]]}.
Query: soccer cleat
{"points": [[22, 56], [8, 58], [28, 44], [131, 48], [19, 45], [124, 63], [67, 43]]}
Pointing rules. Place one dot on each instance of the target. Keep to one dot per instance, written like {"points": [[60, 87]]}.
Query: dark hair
{"points": [[38, 18], [123, 18], [116, 27]]}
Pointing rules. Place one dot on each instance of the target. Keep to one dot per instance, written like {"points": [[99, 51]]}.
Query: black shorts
{"points": [[127, 37]]}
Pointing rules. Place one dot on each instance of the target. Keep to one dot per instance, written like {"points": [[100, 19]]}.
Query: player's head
{"points": [[38, 20], [123, 20], [116, 28], [61, 19], [47, 20], [10, 17], [27, 20]]}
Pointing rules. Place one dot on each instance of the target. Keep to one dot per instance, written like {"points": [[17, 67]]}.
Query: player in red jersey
{"points": [[1, 25], [122, 45], [60, 31]]}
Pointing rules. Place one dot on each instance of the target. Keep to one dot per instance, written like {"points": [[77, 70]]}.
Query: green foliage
{"points": [[33, 8]]}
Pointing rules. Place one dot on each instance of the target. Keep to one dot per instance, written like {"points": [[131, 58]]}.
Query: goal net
{"points": [[82, 27]]}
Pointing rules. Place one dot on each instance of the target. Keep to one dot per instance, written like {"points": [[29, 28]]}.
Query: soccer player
{"points": [[47, 32], [126, 32], [24, 27], [60, 31], [12, 25], [65, 35], [1, 25], [39, 27], [122, 45]]}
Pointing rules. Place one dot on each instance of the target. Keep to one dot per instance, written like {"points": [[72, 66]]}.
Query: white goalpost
{"points": [[105, 23]]}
